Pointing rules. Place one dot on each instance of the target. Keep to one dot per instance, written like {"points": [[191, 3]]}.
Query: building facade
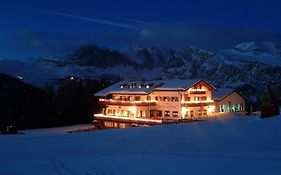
{"points": [[158, 101]]}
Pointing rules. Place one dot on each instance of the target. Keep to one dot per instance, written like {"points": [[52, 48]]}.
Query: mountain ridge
{"points": [[247, 64]]}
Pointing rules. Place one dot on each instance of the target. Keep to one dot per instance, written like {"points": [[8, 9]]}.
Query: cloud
{"points": [[203, 35], [30, 43], [42, 41]]}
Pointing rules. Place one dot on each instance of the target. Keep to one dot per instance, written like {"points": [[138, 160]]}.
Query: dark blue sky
{"points": [[29, 28]]}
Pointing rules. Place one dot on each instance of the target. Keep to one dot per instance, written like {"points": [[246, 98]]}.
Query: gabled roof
{"points": [[142, 88], [221, 93]]}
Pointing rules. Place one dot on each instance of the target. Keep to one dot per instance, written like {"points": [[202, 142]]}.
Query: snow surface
{"points": [[233, 145]]}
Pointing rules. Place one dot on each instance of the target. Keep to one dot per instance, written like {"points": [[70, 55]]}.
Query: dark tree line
{"points": [[25, 106]]}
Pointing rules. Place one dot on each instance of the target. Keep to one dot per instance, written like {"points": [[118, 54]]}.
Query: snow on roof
{"points": [[221, 93], [176, 84], [145, 87]]}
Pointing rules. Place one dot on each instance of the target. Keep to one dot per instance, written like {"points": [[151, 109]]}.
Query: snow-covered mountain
{"points": [[247, 66], [88, 62], [252, 52]]}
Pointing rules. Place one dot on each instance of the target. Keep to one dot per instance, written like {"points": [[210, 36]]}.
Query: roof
{"points": [[221, 93], [176, 84], [146, 87]]}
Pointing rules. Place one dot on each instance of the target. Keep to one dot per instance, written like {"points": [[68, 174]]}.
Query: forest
{"points": [[70, 101]]}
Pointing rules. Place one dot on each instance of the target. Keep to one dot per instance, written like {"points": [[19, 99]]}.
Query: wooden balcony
{"points": [[127, 103]]}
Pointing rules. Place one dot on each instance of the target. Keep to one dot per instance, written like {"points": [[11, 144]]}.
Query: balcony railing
{"points": [[127, 103]]}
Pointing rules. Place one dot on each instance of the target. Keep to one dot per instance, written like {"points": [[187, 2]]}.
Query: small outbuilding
{"points": [[229, 100]]}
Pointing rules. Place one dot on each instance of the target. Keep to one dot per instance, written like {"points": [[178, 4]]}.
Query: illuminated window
{"points": [[186, 97], [174, 99], [197, 86], [153, 113], [175, 114], [196, 98], [203, 98], [166, 98], [191, 113], [159, 113], [148, 98], [111, 112], [204, 112], [167, 113]]}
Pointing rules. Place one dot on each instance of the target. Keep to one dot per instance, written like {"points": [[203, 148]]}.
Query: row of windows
{"points": [[197, 86], [199, 113], [166, 98], [153, 113], [167, 113], [231, 107], [204, 98], [127, 98], [159, 98]]}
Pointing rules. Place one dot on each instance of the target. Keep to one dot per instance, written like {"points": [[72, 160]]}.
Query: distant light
{"points": [[71, 78], [20, 77], [121, 86], [147, 86]]}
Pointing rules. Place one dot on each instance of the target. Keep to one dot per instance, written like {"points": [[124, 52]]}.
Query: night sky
{"points": [[34, 28]]}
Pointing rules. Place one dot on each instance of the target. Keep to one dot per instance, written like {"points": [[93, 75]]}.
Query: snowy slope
{"points": [[223, 146]]}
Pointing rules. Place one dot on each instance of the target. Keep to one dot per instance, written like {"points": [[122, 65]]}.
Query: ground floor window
{"points": [[159, 113], [111, 111], [199, 112], [231, 107], [124, 113], [191, 114], [153, 113], [175, 114], [186, 114], [204, 112], [166, 113]]}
